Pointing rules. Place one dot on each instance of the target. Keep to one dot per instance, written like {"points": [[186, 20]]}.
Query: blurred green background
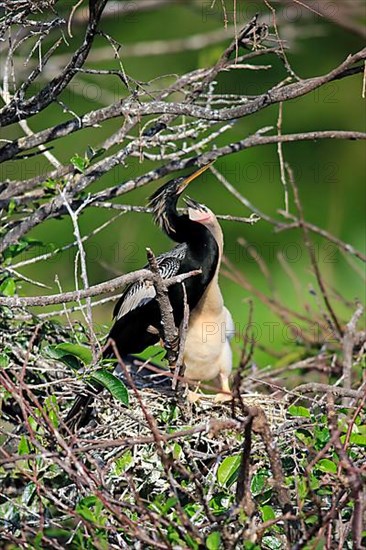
{"points": [[330, 174]]}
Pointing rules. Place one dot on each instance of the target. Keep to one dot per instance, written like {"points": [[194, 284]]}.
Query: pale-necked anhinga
{"points": [[207, 353]]}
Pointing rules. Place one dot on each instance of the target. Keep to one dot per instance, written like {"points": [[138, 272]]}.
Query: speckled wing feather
{"points": [[139, 293]]}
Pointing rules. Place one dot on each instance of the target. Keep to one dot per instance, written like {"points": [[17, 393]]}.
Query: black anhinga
{"points": [[137, 325]]}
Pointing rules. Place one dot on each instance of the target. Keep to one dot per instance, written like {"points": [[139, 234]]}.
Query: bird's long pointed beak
{"points": [[193, 176]]}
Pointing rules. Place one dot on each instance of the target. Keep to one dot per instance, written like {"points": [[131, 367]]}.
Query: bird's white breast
{"points": [[207, 351]]}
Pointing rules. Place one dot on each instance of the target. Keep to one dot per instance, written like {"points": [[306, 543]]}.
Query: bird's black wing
{"points": [[135, 295], [139, 293]]}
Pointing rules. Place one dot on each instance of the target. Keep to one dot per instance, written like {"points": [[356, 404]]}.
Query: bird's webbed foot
{"points": [[192, 395], [222, 397], [225, 394]]}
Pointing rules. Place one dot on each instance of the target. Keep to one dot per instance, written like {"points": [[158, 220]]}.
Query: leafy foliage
{"points": [[178, 491], [148, 470]]}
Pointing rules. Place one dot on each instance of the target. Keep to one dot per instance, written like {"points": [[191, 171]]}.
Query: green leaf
{"points": [[50, 184], [156, 352], [177, 451], [326, 465], [23, 446], [79, 163], [37, 541], [355, 439], [28, 493], [311, 520], [122, 463], [22, 245], [170, 503], [83, 508], [304, 436], [272, 542], [114, 385], [257, 484], [220, 503], [228, 469], [213, 541], [313, 482], [51, 407], [191, 543], [88, 501], [11, 206], [33, 423], [4, 360], [14, 249], [267, 512], [65, 350], [81, 352], [8, 287], [92, 509], [302, 487], [298, 411]]}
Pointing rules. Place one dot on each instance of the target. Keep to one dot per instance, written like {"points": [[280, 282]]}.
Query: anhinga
{"points": [[207, 353]]}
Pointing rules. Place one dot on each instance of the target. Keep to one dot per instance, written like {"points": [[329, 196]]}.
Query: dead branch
{"points": [[56, 205], [95, 290], [20, 109], [316, 387]]}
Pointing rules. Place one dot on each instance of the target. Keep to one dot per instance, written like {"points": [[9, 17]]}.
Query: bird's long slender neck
{"points": [[176, 226], [165, 215], [212, 301], [204, 248], [172, 223]]}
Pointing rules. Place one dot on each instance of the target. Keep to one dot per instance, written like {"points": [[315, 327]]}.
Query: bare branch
{"points": [[55, 206], [316, 387], [20, 109], [95, 290], [130, 108]]}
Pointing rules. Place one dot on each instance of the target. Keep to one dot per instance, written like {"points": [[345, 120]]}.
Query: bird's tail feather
{"points": [[80, 412]]}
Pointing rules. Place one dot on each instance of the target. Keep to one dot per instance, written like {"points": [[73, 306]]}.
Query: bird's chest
{"points": [[206, 336]]}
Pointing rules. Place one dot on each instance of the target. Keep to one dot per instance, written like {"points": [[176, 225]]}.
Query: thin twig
{"points": [[84, 272], [179, 366], [333, 318]]}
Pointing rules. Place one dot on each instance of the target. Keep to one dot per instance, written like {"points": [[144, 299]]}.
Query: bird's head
{"points": [[199, 213], [163, 202]]}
